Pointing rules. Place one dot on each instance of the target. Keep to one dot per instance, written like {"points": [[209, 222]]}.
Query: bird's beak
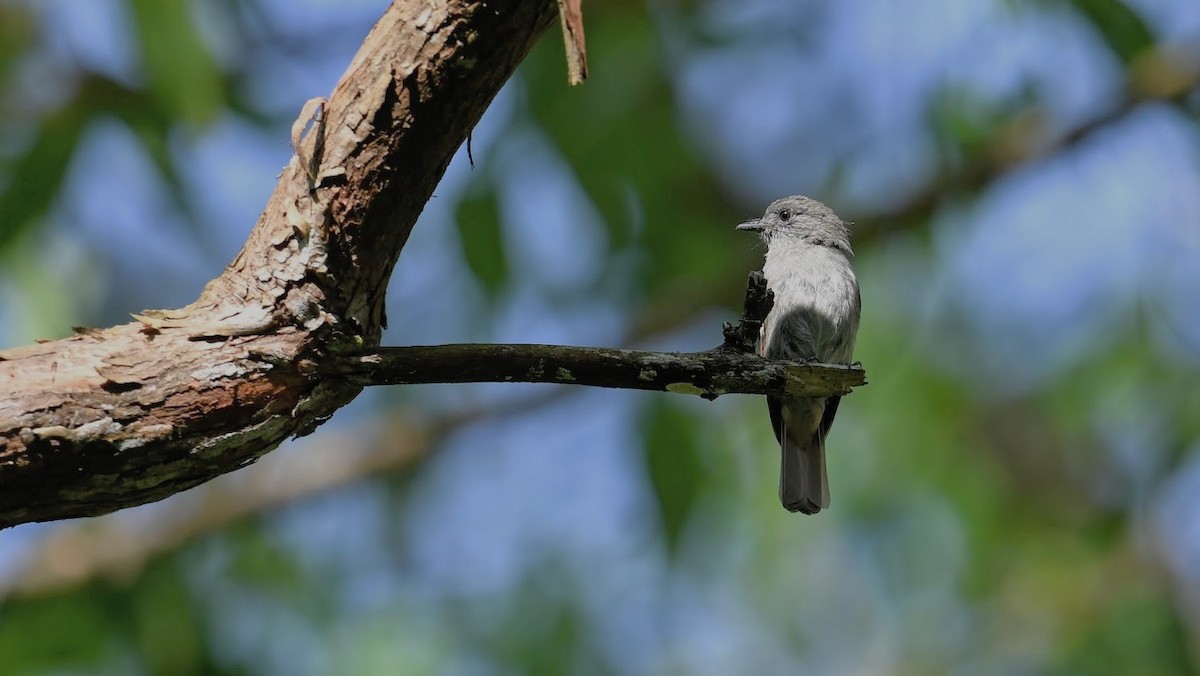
{"points": [[752, 225]]}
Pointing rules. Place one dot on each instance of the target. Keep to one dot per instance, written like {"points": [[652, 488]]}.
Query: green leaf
{"points": [[1136, 631], [182, 74], [259, 560], [55, 632], [673, 464], [482, 237], [33, 180], [166, 627], [1122, 28]]}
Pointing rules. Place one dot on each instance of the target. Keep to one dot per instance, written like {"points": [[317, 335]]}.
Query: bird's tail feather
{"points": [[803, 484]]}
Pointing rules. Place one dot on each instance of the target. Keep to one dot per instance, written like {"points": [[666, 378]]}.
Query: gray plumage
{"points": [[815, 317]]}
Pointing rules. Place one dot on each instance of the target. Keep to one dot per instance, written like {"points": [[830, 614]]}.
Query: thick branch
{"points": [[708, 374], [134, 413], [109, 547]]}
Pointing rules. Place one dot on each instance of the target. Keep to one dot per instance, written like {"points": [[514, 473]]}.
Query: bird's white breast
{"points": [[816, 309]]}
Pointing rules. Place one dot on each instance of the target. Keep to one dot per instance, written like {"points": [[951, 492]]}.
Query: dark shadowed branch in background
{"points": [[1027, 137], [107, 549]]}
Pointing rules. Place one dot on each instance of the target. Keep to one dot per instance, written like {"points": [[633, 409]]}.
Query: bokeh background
{"points": [[1016, 491]]}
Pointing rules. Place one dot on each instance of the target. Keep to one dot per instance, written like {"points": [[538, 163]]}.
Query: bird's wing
{"points": [[831, 407], [775, 408]]}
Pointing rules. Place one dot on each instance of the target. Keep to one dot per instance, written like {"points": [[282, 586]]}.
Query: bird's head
{"points": [[803, 220]]}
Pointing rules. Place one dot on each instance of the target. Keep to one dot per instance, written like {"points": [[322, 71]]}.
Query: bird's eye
{"points": [[785, 214]]}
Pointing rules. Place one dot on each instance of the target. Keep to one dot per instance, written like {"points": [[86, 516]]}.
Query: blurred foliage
{"points": [[987, 517], [482, 237], [149, 626], [673, 464], [33, 179], [622, 138], [1123, 29], [180, 72]]}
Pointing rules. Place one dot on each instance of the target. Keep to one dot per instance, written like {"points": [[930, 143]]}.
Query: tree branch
{"points": [[131, 414], [731, 368], [109, 547], [707, 374], [75, 555], [134, 413]]}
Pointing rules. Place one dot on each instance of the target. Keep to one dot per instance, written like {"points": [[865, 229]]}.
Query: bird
{"points": [[808, 267]]}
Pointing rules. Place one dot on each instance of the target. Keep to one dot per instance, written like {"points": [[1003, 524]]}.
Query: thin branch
{"points": [[734, 367], [707, 374]]}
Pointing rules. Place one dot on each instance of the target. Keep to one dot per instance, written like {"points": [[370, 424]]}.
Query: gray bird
{"points": [[815, 317]]}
